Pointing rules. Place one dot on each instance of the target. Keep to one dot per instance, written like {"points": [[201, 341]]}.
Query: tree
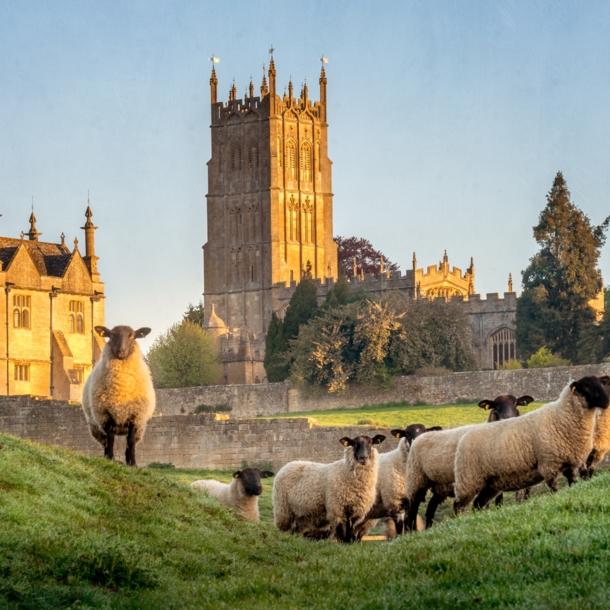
{"points": [[183, 356], [560, 280], [367, 258], [544, 358], [194, 313], [302, 307]]}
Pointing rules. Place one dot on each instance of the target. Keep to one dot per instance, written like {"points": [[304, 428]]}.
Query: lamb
{"points": [[520, 452], [328, 499], [431, 459], [601, 437], [391, 500], [118, 397], [241, 494]]}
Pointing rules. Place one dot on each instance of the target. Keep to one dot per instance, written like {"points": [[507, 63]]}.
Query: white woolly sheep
{"points": [[118, 397], [601, 437], [328, 499], [430, 464], [391, 500], [241, 494], [523, 451]]}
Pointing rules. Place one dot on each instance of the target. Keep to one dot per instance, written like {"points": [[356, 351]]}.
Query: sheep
{"points": [[328, 499], [523, 451], [241, 494], [391, 500], [118, 397], [601, 437], [431, 459]]}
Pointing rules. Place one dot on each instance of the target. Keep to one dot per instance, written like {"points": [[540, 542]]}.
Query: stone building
{"points": [[269, 211], [53, 297]]}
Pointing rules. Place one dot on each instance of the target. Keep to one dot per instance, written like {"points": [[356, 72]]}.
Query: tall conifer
{"points": [[561, 279]]}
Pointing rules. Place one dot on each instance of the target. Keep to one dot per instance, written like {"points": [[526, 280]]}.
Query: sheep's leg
{"points": [[435, 502], [570, 474], [527, 493], [130, 452], [552, 483], [399, 525], [462, 503], [499, 500], [484, 498], [109, 446], [411, 521]]}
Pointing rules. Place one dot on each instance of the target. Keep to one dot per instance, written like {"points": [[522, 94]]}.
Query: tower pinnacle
{"points": [[213, 86], [33, 233], [90, 258]]}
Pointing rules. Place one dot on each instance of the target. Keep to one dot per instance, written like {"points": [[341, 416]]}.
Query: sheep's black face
{"points": [[363, 446], [410, 432], [504, 407], [251, 480], [121, 339], [593, 391]]}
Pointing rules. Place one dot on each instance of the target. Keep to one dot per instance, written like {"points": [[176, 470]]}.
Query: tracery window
{"points": [[306, 162], [293, 210], [22, 304], [236, 157], [76, 323], [253, 155], [291, 161], [504, 347]]}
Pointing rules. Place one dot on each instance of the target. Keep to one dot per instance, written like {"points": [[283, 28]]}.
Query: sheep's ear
{"points": [[485, 404], [573, 386], [237, 474], [398, 433], [102, 331], [605, 381], [524, 400], [267, 474], [346, 441], [141, 332], [378, 439]]}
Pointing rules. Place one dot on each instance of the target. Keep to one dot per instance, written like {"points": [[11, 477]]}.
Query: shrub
{"points": [[161, 465], [212, 409], [368, 421], [544, 358], [511, 365], [182, 357]]}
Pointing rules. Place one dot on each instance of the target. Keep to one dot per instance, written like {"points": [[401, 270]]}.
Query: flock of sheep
{"points": [[343, 500]]}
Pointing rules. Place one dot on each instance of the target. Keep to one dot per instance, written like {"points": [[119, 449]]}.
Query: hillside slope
{"points": [[83, 532]]}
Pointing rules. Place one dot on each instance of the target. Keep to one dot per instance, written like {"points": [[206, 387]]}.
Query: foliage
{"points": [[161, 465], [544, 358], [195, 313], [212, 409], [302, 307], [560, 280], [340, 293], [367, 258], [370, 342], [183, 356], [511, 365], [87, 532]]}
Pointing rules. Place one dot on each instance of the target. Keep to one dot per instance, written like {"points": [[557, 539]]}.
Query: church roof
{"points": [[50, 259]]}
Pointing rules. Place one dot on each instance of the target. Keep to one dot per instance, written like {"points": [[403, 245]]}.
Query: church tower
{"points": [[269, 202]]}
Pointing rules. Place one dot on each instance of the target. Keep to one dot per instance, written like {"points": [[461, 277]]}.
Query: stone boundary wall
{"points": [[190, 441], [274, 398]]}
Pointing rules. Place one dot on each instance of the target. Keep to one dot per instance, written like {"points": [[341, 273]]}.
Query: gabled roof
{"points": [[50, 259]]}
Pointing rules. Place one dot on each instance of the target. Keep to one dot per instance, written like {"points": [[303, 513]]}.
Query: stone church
{"points": [[53, 297], [270, 217]]}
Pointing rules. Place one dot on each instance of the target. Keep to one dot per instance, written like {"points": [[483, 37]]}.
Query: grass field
{"points": [[399, 414], [86, 533]]}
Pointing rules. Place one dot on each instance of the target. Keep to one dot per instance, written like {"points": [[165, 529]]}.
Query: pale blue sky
{"points": [[448, 121]]}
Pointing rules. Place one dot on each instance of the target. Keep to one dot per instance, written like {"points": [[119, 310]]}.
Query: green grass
{"points": [[399, 414], [83, 532]]}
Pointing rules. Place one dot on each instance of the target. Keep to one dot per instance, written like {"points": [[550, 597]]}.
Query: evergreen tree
{"points": [[194, 313], [339, 294], [560, 280], [302, 307]]}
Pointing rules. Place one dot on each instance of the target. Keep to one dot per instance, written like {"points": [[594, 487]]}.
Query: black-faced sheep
{"points": [[328, 499], [241, 494], [601, 437], [430, 465], [523, 451], [118, 397]]}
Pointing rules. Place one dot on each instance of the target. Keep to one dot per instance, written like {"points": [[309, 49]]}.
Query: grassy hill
{"points": [[83, 532]]}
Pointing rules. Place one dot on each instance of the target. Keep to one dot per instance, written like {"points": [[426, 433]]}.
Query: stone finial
{"points": [[213, 86], [22, 235], [251, 88], [33, 233], [381, 265], [264, 88], [414, 261], [63, 238], [355, 269], [510, 282], [445, 258], [76, 244], [290, 90], [305, 93], [233, 92]]}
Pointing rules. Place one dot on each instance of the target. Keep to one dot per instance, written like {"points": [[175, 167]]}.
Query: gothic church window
{"points": [[21, 313], [291, 161], [75, 320], [306, 162], [236, 157], [253, 155], [504, 347]]}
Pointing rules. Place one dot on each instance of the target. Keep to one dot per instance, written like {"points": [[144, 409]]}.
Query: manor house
{"points": [[53, 297], [270, 217]]}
